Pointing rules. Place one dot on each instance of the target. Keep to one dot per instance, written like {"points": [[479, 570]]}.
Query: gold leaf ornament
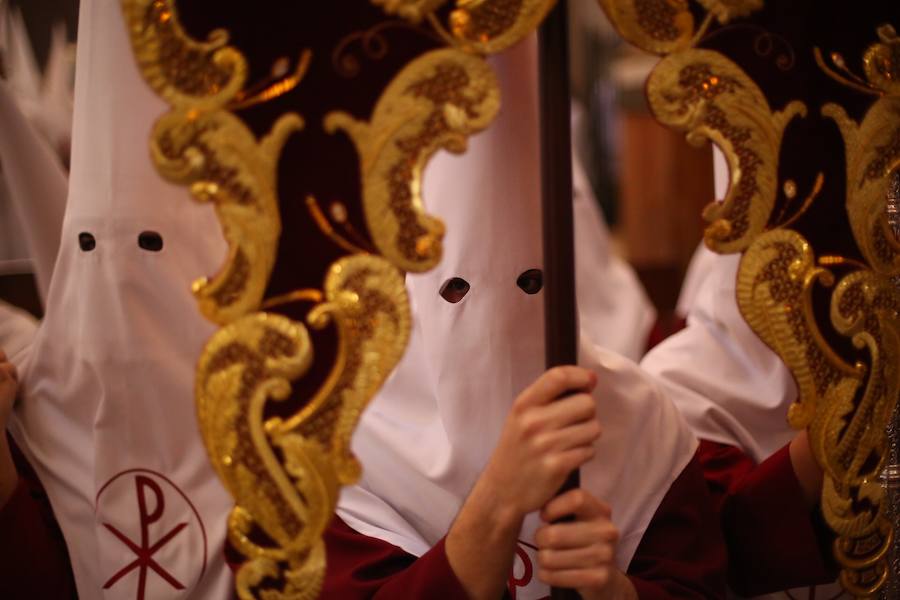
{"points": [[774, 288], [873, 157], [285, 471], [853, 446], [251, 362], [244, 366], [491, 26], [437, 101], [706, 95], [845, 406], [201, 144], [411, 10], [667, 26], [476, 26], [220, 160], [657, 26], [881, 62], [726, 10], [184, 72]]}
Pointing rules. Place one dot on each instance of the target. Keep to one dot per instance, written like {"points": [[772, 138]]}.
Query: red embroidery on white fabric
{"points": [[145, 551], [513, 582], [150, 489]]}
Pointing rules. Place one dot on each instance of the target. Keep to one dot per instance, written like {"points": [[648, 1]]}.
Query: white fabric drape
{"points": [[107, 415], [430, 431]]}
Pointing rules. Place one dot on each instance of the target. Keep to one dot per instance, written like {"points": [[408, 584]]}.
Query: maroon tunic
{"points": [[681, 555], [34, 562], [774, 541]]}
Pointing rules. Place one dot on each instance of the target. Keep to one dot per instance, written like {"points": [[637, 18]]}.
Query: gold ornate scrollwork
{"points": [[476, 26], [774, 287], [183, 71], [667, 26], [366, 298], [284, 465], [411, 10], [436, 102], [491, 26], [657, 26], [220, 159], [726, 10], [199, 143], [873, 156], [850, 432], [252, 362], [244, 366], [881, 62], [846, 406], [708, 96]]}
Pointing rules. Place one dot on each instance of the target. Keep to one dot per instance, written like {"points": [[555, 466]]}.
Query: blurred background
{"points": [[26, 40], [650, 184]]}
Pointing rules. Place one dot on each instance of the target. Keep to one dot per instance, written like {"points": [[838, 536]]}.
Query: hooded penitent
{"points": [[742, 393], [613, 308], [478, 341], [32, 179], [32, 187], [107, 415]]}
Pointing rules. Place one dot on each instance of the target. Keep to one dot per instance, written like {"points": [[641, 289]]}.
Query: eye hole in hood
{"points": [[454, 289], [531, 281], [150, 241], [86, 241]]}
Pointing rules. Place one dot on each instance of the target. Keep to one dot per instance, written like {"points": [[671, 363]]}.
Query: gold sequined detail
{"points": [[873, 155], [726, 10], [704, 94], [485, 21], [476, 26], [881, 62], [658, 26], [845, 407], [445, 95], [790, 189], [411, 10], [285, 473]]}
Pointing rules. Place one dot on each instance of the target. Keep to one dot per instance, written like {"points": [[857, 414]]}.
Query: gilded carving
{"points": [[774, 287], [881, 62], [709, 97], [657, 26], [220, 160], [726, 10], [245, 365], [200, 144], [411, 10], [476, 26], [850, 432], [873, 155], [436, 102], [285, 472], [491, 26], [844, 405], [667, 26]]}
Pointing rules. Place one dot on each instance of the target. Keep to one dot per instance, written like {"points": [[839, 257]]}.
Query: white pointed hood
{"points": [[33, 189], [107, 415], [428, 434]]}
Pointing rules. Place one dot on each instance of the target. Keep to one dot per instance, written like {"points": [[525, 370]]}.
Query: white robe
{"points": [[107, 413]]}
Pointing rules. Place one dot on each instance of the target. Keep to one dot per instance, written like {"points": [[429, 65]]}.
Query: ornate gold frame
{"points": [[285, 473], [846, 407]]}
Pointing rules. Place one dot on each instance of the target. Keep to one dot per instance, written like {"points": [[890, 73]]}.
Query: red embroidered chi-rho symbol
{"points": [[145, 551], [513, 583]]}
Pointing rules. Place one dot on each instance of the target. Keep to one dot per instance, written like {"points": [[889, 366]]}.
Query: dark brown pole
{"points": [[560, 319]]}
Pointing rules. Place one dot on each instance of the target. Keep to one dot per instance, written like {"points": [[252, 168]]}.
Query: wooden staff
{"points": [[560, 318]]}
